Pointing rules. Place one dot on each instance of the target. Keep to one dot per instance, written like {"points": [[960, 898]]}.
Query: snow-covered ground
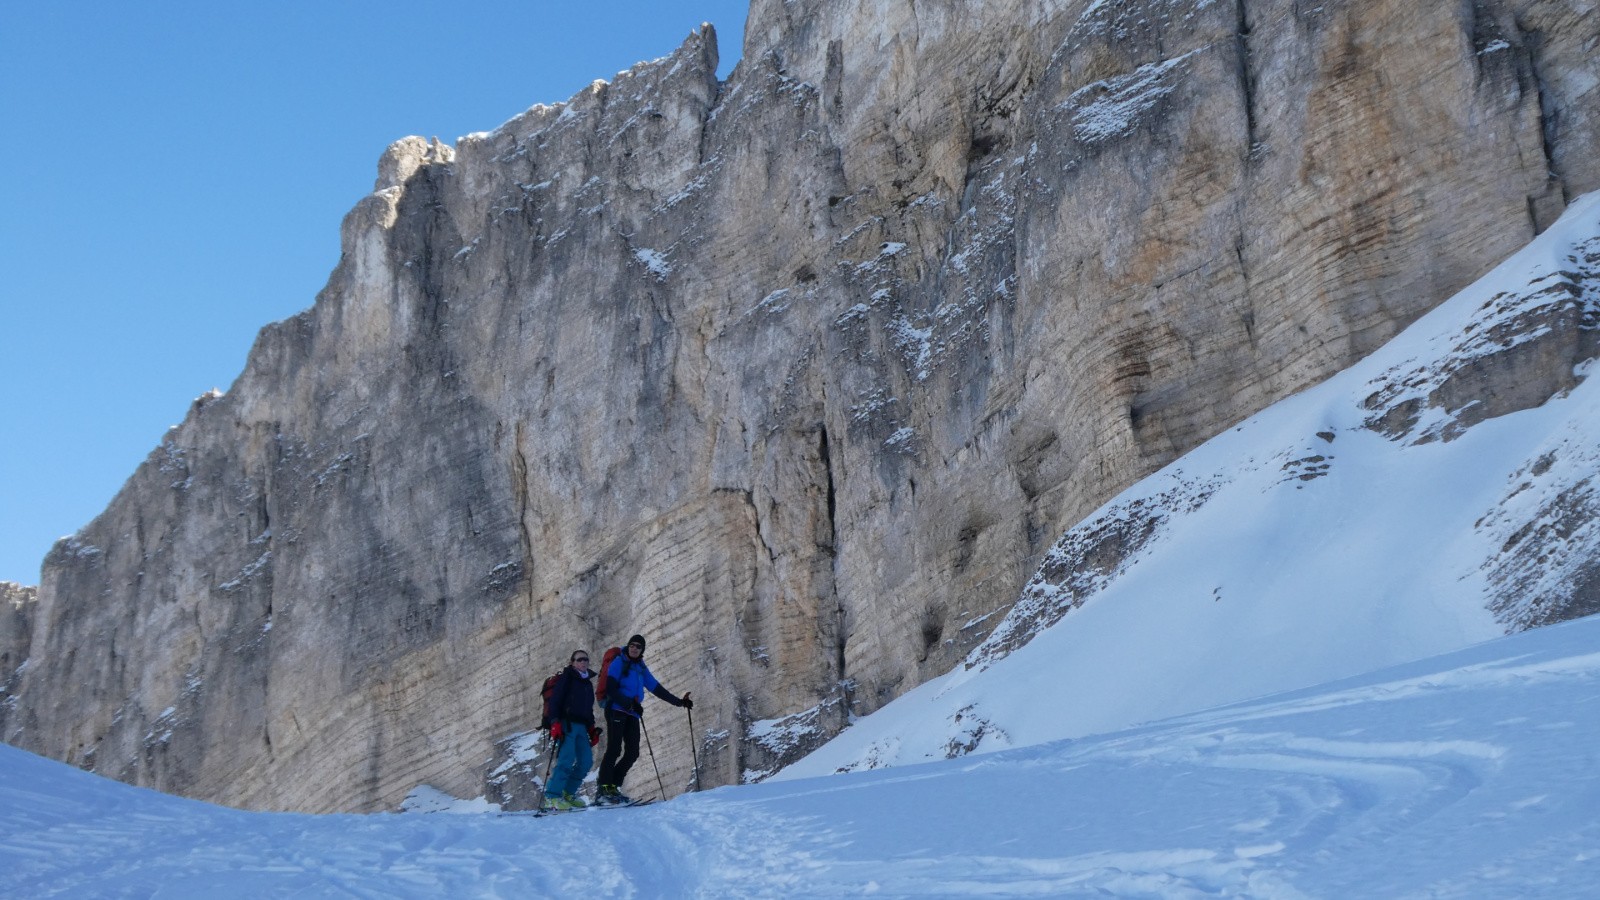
{"points": [[1472, 775], [1302, 545]]}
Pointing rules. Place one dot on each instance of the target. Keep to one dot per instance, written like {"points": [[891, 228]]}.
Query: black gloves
{"points": [[686, 703]]}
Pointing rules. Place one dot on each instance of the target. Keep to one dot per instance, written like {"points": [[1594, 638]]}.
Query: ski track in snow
{"points": [[1471, 775]]}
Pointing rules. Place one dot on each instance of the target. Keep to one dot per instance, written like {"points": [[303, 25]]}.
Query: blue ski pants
{"points": [[572, 761]]}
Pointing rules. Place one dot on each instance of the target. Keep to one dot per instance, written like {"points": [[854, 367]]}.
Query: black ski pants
{"points": [[622, 747]]}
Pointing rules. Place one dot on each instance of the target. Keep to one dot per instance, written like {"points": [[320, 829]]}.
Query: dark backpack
{"points": [[549, 693], [602, 685]]}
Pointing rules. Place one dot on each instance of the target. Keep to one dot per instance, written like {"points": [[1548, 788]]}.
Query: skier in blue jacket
{"points": [[628, 678]]}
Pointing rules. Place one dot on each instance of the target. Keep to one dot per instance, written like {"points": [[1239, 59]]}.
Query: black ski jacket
{"points": [[572, 700]]}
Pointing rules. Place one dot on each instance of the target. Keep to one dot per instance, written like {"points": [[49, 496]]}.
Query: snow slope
{"points": [[1322, 538], [1470, 775]]}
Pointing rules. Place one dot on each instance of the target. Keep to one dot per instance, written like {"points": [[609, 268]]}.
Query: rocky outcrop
{"points": [[1521, 349], [17, 603], [799, 374], [517, 771]]}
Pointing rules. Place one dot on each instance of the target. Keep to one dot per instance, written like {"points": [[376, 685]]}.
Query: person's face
{"points": [[635, 651], [581, 662]]}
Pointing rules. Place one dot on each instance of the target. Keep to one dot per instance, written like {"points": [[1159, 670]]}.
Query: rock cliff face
{"points": [[16, 631], [799, 374]]}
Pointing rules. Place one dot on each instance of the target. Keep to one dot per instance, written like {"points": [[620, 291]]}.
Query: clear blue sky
{"points": [[177, 173]]}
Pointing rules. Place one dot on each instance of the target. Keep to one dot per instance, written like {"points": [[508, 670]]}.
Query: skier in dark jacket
{"points": [[628, 679], [571, 724]]}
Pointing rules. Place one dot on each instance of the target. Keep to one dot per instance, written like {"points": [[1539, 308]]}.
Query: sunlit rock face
{"points": [[799, 374]]}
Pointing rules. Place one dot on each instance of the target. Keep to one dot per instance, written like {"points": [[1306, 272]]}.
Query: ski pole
{"points": [[548, 766], [659, 783], [693, 754]]}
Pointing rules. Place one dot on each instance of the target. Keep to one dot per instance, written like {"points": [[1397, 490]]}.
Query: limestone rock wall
{"points": [[799, 374], [16, 633]]}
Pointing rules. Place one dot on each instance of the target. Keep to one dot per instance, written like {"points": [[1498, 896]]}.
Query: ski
{"points": [[630, 803], [594, 806], [552, 811]]}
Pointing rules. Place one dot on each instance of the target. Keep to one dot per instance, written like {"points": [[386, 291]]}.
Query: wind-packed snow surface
{"points": [[1322, 538], [1473, 775]]}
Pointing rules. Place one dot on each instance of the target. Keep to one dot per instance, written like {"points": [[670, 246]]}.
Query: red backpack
{"points": [[548, 692], [603, 684]]}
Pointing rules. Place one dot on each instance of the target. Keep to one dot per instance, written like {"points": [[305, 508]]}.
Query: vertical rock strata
{"points": [[798, 374]]}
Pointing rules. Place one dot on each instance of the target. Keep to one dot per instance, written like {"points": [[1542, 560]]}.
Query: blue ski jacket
{"points": [[629, 680]]}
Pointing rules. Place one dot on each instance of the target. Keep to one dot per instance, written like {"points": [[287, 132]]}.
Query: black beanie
{"points": [[637, 639]]}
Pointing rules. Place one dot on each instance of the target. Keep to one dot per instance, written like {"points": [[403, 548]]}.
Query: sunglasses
{"points": [[581, 659]]}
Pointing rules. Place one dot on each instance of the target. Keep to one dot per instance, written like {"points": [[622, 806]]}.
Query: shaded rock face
{"points": [[17, 604], [518, 770], [799, 374]]}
